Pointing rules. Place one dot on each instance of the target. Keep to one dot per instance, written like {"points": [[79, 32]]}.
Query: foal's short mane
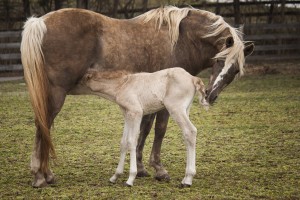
{"points": [[172, 16], [96, 75]]}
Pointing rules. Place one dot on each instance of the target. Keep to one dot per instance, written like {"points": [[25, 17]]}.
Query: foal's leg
{"points": [[124, 148], [160, 130], [189, 132], [145, 128], [129, 141], [133, 119], [42, 179]]}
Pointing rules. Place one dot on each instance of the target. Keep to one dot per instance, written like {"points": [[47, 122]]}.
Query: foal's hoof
{"points": [[127, 185], [164, 177], [184, 185], [143, 173]]}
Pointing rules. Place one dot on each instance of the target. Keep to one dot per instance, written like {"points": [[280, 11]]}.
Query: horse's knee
{"points": [[123, 146], [134, 114], [190, 135], [132, 146]]}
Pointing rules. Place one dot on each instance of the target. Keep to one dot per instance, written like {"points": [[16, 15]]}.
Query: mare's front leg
{"points": [[45, 177], [145, 128], [161, 123]]}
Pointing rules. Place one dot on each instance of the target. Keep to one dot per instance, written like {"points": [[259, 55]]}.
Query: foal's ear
{"points": [[229, 42], [249, 48]]}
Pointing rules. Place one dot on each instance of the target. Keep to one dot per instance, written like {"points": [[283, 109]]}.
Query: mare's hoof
{"points": [[164, 177], [143, 174], [39, 183], [50, 178], [184, 185]]}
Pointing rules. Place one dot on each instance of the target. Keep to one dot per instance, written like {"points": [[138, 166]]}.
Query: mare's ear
{"points": [[88, 76], [229, 42], [249, 48]]}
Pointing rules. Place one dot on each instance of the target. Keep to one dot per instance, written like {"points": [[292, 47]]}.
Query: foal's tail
{"points": [[38, 84], [200, 88]]}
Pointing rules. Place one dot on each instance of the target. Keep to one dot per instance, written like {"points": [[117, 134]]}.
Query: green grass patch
{"points": [[248, 146]]}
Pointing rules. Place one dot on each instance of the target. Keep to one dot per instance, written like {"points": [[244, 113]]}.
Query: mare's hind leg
{"points": [[161, 123], [39, 178], [145, 128], [43, 179]]}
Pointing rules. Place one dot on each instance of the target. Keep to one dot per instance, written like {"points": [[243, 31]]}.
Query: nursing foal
{"points": [[145, 93]]}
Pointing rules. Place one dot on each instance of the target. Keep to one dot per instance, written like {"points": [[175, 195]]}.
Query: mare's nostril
{"points": [[215, 98]]}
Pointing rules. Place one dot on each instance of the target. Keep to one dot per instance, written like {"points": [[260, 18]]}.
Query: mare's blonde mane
{"points": [[170, 15]]}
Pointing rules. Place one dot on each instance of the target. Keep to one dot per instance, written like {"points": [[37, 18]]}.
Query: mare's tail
{"points": [[38, 84], [200, 88]]}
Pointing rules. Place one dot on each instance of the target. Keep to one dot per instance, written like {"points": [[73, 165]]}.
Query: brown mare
{"points": [[58, 48]]}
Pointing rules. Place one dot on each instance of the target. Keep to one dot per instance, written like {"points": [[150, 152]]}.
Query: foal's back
{"points": [[160, 89]]}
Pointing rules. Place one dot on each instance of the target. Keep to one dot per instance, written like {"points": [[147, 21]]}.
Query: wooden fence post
{"points": [[26, 8], [82, 4], [237, 14]]}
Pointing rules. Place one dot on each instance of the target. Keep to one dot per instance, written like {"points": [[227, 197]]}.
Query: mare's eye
{"points": [[229, 42]]}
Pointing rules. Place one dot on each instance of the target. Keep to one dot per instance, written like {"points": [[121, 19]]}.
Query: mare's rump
{"points": [[71, 45]]}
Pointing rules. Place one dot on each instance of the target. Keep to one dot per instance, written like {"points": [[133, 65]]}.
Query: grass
{"points": [[248, 146]]}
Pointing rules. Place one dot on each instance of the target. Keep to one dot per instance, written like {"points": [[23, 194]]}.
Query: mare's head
{"points": [[224, 72], [224, 46]]}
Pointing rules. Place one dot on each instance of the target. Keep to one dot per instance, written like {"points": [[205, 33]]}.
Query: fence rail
{"points": [[10, 56], [274, 41]]}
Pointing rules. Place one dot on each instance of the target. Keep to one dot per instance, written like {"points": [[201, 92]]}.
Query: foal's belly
{"points": [[151, 105]]}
